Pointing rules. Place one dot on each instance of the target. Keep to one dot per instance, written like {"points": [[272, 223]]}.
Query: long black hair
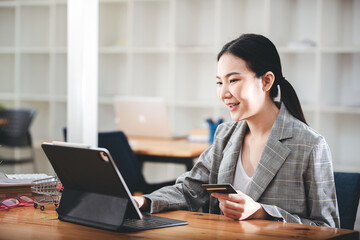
{"points": [[261, 56]]}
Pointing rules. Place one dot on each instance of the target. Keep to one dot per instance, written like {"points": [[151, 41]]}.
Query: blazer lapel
{"points": [[273, 155], [231, 155]]}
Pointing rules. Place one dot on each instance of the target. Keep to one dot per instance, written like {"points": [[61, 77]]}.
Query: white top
{"points": [[241, 179]]}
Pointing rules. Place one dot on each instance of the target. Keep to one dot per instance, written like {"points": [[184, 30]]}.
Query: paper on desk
{"points": [[6, 182]]}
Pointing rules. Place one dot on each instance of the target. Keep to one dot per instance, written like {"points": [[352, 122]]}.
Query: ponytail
{"points": [[290, 99]]}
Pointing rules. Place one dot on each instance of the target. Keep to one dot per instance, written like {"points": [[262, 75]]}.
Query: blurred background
{"points": [[167, 48]]}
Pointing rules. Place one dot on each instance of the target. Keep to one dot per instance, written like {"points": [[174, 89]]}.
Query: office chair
{"points": [[117, 144], [15, 134], [348, 192]]}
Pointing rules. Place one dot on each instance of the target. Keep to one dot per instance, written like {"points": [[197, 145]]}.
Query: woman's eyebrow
{"points": [[229, 74]]}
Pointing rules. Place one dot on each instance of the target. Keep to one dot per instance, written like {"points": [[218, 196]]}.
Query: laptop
{"points": [[95, 194], [143, 117]]}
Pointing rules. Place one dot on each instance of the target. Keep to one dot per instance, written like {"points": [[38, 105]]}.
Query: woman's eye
{"points": [[234, 80], [218, 83]]}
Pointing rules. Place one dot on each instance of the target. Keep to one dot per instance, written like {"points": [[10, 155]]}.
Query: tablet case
{"points": [[92, 209], [85, 200], [95, 194]]}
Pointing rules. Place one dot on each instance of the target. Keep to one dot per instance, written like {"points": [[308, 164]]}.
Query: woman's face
{"points": [[239, 88]]}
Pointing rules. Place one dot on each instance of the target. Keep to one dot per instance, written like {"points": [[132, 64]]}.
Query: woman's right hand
{"points": [[140, 201]]}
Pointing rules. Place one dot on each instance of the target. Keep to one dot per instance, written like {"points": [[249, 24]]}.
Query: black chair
{"points": [[348, 192], [15, 133], [117, 144]]}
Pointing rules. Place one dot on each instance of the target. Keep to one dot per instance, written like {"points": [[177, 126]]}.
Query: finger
{"points": [[230, 213], [231, 204], [219, 195], [231, 197]]}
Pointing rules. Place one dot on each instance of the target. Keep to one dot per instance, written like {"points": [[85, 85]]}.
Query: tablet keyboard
{"points": [[150, 222]]}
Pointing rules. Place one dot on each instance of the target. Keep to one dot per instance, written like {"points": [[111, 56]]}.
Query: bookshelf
{"points": [[168, 48]]}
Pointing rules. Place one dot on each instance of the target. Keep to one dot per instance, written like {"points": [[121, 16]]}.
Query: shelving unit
{"points": [[168, 48], [33, 62]]}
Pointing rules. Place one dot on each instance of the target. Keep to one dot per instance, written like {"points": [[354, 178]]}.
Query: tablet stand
{"points": [[92, 209]]}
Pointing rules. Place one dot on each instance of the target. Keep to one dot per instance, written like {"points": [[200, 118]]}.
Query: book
{"points": [[14, 185]]}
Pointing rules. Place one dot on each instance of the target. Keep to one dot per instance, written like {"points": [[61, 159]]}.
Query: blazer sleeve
{"points": [[322, 209], [187, 193]]}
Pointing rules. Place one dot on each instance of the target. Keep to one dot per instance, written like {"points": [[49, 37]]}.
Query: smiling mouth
{"points": [[233, 105]]}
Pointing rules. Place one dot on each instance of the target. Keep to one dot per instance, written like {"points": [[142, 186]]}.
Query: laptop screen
{"points": [[142, 117]]}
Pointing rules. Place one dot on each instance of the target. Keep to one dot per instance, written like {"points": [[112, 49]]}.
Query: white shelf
{"points": [[339, 49], [113, 24], [7, 4], [112, 72], [35, 97], [6, 50], [34, 25], [106, 100], [342, 134], [35, 50], [300, 71], [340, 87], [59, 120], [195, 49], [296, 20], [59, 98], [59, 85], [60, 25], [150, 75], [195, 115], [197, 104], [341, 110], [283, 50], [7, 96], [59, 50], [151, 21], [7, 26], [195, 77], [115, 49], [168, 48], [7, 72], [34, 74], [40, 127], [34, 2], [309, 107], [244, 16], [341, 23], [347, 168], [195, 21]]}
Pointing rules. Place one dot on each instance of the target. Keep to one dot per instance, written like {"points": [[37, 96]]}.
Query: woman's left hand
{"points": [[240, 206]]}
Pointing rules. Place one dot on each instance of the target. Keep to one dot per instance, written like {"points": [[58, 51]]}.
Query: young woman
{"points": [[281, 168]]}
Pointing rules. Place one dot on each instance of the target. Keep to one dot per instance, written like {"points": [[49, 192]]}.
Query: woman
{"points": [[281, 168]]}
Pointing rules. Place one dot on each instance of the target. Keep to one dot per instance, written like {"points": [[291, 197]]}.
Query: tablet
{"points": [[95, 194]]}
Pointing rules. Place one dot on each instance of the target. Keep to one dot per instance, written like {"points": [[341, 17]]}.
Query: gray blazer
{"points": [[293, 181]]}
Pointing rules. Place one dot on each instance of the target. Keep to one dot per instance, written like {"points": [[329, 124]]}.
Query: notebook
{"points": [[143, 117], [23, 179], [95, 194]]}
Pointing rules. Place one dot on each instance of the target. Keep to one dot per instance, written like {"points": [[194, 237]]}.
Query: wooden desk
{"points": [[30, 223], [4, 121], [167, 150]]}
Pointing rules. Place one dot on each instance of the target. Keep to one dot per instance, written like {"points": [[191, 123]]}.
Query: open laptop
{"points": [[95, 194], [143, 117]]}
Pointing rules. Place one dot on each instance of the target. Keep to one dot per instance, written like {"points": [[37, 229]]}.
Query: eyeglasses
{"points": [[22, 201]]}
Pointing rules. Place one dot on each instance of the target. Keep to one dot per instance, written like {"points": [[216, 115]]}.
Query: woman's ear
{"points": [[267, 81]]}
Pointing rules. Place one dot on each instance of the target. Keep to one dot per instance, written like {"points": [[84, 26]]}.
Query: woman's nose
{"points": [[225, 93]]}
